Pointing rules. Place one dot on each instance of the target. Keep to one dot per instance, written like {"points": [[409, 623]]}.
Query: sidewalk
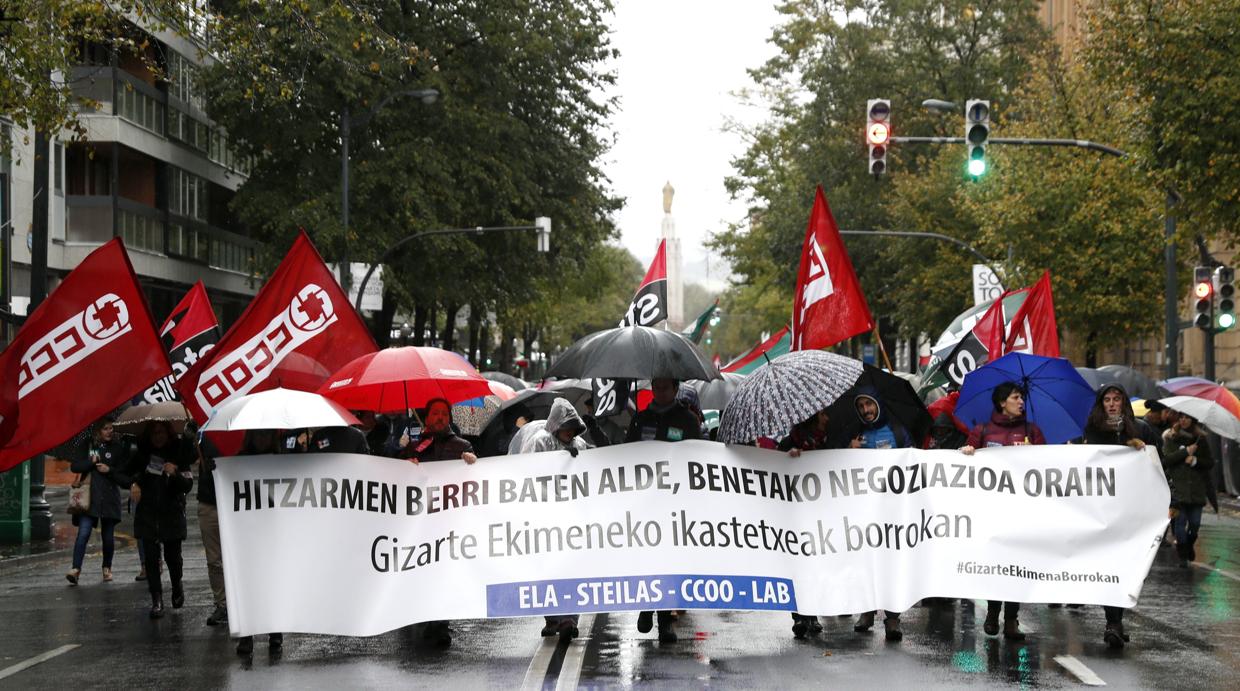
{"points": [[64, 533]]}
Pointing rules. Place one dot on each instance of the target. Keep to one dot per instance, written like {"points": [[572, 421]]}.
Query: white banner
{"points": [[360, 545]]}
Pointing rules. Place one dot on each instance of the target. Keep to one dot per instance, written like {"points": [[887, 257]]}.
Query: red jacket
{"points": [[1005, 431]]}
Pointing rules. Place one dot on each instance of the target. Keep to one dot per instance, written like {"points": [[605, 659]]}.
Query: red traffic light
{"points": [[877, 134], [1203, 289]]}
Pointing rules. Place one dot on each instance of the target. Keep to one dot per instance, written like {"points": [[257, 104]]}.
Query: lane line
{"points": [[537, 672], [575, 657], [1221, 572], [27, 664], [1079, 670]]}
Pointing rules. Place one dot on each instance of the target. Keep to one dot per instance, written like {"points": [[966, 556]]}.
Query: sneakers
{"points": [[892, 628], [991, 627], [72, 576], [645, 622], [219, 616], [865, 622], [107, 574]]}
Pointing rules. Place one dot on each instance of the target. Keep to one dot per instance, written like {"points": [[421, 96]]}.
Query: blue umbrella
{"points": [[1057, 399]]}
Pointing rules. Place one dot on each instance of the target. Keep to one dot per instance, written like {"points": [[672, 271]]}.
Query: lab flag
{"points": [[828, 306]]}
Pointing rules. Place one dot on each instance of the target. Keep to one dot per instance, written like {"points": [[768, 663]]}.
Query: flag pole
{"points": [[878, 337]]}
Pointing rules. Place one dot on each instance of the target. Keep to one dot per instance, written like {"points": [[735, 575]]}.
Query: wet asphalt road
{"points": [[1185, 634]]}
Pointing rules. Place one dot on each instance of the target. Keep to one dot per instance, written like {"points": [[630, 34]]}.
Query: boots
{"points": [[892, 626], [178, 595], [667, 634], [157, 605], [1114, 636], [245, 645], [991, 626], [645, 621], [1011, 630], [864, 622], [799, 626], [275, 642]]}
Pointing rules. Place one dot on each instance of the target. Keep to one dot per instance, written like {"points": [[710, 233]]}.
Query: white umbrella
{"points": [[279, 409], [1212, 415]]}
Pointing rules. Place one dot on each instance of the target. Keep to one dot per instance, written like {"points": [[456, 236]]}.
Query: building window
{"points": [[58, 171], [187, 194], [141, 231], [181, 75], [139, 108]]}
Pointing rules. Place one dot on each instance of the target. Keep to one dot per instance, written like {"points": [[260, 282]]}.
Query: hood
{"points": [[563, 414], [1125, 410], [880, 420]]}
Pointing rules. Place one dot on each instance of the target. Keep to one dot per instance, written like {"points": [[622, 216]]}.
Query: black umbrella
{"points": [[896, 396], [1135, 383], [535, 404], [634, 352], [714, 395], [507, 379]]}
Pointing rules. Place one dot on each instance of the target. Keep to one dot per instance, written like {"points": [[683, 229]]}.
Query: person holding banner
{"points": [[1111, 421], [161, 479], [561, 432], [259, 442], [1007, 427], [665, 419], [1187, 461], [102, 465]]}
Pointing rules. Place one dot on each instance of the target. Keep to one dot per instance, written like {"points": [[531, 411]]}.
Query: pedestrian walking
{"points": [[258, 442], [1187, 461], [209, 527], [665, 419], [562, 431], [102, 465], [161, 477], [1111, 421], [1007, 427]]}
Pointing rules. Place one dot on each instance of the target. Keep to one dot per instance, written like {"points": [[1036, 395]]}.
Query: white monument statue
{"points": [[675, 285]]}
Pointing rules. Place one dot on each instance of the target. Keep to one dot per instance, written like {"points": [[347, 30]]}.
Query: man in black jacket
{"points": [[665, 419]]}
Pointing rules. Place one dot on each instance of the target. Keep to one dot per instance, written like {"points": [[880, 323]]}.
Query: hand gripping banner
{"points": [[380, 543]]}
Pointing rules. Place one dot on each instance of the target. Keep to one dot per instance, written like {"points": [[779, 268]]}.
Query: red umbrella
{"points": [[502, 391], [1203, 388], [396, 379]]}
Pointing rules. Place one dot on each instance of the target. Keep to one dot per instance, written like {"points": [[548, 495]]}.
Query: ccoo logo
{"points": [[75, 339]]}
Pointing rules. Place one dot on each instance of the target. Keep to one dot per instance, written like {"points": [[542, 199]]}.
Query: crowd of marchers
{"points": [[155, 467]]}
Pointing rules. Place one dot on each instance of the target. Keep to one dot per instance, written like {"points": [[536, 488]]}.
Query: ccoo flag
{"points": [[828, 306], [297, 331], [83, 352]]}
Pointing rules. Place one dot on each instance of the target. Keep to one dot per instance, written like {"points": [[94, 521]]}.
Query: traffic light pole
{"points": [[1172, 327]]}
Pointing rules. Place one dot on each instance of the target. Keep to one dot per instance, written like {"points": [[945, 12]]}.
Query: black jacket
{"points": [[339, 440], [161, 510], [1190, 484], [105, 488], [674, 424], [206, 472], [445, 447]]}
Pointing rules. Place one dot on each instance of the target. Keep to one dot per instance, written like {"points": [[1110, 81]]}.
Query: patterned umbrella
{"points": [[787, 391], [472, 415], [135, 418]]}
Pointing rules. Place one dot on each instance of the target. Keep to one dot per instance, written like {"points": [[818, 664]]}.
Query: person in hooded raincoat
{"points": [[879, 432], [1111, 421], [561, 432], [1187, 461]]}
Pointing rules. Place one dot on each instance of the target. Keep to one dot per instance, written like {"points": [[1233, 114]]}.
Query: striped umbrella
{"points": [[789, 390]]}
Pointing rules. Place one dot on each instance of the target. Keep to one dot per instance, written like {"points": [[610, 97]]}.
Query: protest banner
{"points": [[359, 545]]}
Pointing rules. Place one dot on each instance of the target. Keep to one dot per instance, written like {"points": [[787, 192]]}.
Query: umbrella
{"points": [[471, 415], [714, 395], [1133, 382], [279, 409], [515, 383], [634, 352], [502, 391], [135, 418], [1057, 399], [1203, 388], [1211, 414], [789, 390], [899, 401], [396, 379]]}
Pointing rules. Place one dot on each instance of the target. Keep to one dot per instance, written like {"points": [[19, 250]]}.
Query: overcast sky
{"points": [[680, 62]]}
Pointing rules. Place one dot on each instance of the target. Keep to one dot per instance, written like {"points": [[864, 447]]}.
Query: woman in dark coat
{"points": [[1187, 461], [1007, 427], [103, 464], [1111, 421], [161, 478]]}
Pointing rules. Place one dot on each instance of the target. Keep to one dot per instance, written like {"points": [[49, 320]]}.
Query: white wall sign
{"points": [[986, 285]]}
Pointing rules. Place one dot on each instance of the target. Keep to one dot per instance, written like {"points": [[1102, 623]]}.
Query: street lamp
{"points": [[427, 97], [938, 105]]}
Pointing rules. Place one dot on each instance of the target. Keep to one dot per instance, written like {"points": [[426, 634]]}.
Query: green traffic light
{"points": [[1226, 320], [977, 167]]}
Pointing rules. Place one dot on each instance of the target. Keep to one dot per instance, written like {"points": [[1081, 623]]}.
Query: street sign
{"points": [[372, 301], [986, 285]]}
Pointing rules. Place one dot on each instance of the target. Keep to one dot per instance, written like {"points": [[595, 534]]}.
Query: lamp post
{"points": [[347, 122]]}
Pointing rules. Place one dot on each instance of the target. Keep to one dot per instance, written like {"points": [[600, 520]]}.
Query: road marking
{"points": [[537, 672], [1079, 670], [574, 657], [1221, 572], [27, 664]]}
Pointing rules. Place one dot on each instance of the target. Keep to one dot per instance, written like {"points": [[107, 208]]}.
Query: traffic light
{"points": [[976, 135], [1225, 294], [878, 133], [1203, 294]]}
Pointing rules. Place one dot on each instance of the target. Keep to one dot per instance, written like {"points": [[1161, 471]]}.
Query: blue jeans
{"points": [[1185, 525], [86, 524]]}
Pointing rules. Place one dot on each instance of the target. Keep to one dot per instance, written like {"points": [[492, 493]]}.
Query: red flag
{"points": [[188, 333], [829, 305], [297, 331], [649, 305], [1033, 329], [82, 353]]}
